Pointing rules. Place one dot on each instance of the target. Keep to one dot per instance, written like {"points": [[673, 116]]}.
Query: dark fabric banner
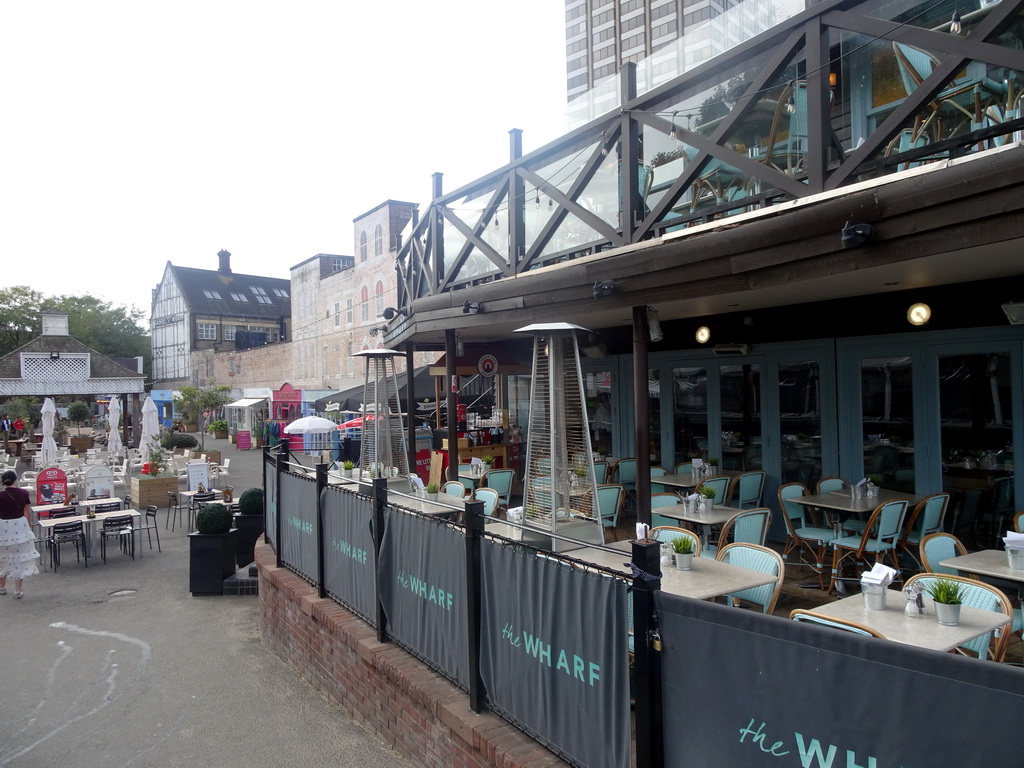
{"points": [[422, 577], [554, 653], [348, 550], [270, 499], [298, 524], [743, 689]]}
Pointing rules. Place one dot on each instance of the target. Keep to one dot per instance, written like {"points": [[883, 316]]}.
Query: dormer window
{"points": [[240, 297], [211, 294], [260, 295]]}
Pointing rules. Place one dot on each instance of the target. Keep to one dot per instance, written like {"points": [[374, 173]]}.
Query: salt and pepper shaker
{"points": [[915, 600]]}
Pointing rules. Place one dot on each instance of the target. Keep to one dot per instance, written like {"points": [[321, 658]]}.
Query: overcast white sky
{"points": [[136, 133]]}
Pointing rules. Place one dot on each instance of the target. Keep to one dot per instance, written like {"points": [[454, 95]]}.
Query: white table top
{"points": [[708, 578], [37, 508], [841, 501], [922, 631], [987, 562], [189, 494], [445, 504], [718, 515], [51, 522]]}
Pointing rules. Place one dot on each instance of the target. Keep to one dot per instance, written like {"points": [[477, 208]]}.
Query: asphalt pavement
{"points": [[117, 665]]}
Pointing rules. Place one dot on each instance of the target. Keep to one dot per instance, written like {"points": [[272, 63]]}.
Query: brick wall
{"points": [[414, 709]]}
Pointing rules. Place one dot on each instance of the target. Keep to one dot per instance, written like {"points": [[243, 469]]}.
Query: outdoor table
{"points": [[449, 506], [46, 508], [843, 502], [708, 578], [717, 516], [472, 474], [687, 481], [90, 523], [987, 562], [922, 631]]}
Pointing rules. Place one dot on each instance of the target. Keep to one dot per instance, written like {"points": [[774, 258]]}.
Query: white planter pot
{"points": [[947, 614], [684, 562]]}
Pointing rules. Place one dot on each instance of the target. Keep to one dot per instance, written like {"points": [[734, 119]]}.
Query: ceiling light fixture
{"points": [[919, 314], [703, 334]]}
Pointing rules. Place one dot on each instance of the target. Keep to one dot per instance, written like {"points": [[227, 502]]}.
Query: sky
{"points": [[137, 133]]}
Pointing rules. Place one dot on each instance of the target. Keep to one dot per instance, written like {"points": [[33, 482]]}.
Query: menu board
{"points": [[243, 440], [198, 474], [99, 482]]}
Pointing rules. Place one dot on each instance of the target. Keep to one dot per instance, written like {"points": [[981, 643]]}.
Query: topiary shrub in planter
{"points": [[174, 441], [250, 524], [211, 550]]}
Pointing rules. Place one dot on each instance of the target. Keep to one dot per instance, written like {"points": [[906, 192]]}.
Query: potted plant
{"points": [[175, 441], [153, 485], [874, 483], [432, 490], [707, 493], [211, 551], [487, 460], [219, 429], [948, 597], [348, 466], [250, 524], [683, 547], [713, 463]]}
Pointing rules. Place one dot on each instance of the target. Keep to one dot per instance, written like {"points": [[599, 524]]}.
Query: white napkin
{"points": [[476, 460], [863, 481], [515, 514], [879, 574], [1014, 540], [417, 482], [642, 530]]}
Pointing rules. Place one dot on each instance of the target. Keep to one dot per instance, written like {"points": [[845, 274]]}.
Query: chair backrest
{"points": [[793, 513], [625, 471], [928, 516], [204, 497], [489, 497], [151, 510], [936, 547], [663, 500], [747, 527], [609, 503], [810, 617], [977, 594], [885, 526], [756, 558], [829, 484], [501, 481], [683, 468], [113, 506], [601, 472], [669, 533], [127, 504], [63, 512], [117, 523], [1002, 497], [64, 529], [656, 472], [453, 488], [749, 486], [721, 485]]}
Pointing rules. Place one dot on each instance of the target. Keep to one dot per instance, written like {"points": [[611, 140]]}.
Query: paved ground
{"points": [[118, 665]]}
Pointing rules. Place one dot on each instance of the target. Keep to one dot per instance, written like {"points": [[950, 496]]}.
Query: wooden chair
{"points": [[756, 558], [501, 481], [747, 527], [746, 490], [453, 488], [936, 547], [983, 596], [810, 617], [880, 539], [1018, 522], [489, 497], [662, 500], [926, 519], [610, 498]]}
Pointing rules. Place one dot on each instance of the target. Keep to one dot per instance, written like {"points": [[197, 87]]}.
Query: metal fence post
{"points": [[647, 655], [380, 498], [474, 517], [321, 483], [282, 462]]}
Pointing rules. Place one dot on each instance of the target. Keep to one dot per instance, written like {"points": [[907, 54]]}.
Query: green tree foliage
{"points": [[79, 412], [115, 331], [192, 402]]}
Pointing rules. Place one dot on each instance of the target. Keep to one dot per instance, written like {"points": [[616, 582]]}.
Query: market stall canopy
{"points": [[245, 402]]}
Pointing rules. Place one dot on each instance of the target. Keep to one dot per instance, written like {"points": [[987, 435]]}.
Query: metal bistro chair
{"points": [[747, 490], [121, 528], [501, 481], [937, 547], [880, 539], [663, 500], [175, 508], [453, 488], [67, 533], [756, 558], [148, 524], [800, 535], [489, 497]]}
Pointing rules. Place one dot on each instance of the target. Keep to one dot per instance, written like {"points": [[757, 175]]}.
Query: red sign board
{"points": [[51, 486], [243, 440]]}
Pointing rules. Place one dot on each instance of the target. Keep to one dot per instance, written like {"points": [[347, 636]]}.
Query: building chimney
{"points": [[225, 262], [55, 324]]}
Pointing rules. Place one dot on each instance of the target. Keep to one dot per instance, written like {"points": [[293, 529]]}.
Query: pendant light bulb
{"points": [[955, 25]]}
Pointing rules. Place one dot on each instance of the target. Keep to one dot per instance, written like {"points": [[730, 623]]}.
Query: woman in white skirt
{"points": [[17, 544]]}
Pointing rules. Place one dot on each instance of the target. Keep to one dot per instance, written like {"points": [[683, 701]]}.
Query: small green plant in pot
{"points": [[707, 493], [348, 466], [433, 489], [947, 595], [683, 548], [213, 519]]}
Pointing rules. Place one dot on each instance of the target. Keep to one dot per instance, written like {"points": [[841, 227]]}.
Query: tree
{"points": [[110, 330], [79, 412], [193, 402]]}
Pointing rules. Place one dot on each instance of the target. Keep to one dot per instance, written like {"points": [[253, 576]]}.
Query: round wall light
{"points": [[703, 334], [919, 314]]}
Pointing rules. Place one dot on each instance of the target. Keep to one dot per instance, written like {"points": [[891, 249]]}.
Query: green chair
{"points": [[663, 500], [655, 473], [756, 558], [800, 536], [987, 598], [749, 487], [489, 497], [879, 540], [609, 504], [721, 485], [925, 520], [936, 547], [501, 481], [747, 527]]}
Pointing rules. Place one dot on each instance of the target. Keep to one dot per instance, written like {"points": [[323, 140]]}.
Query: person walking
{"points": [[18, 553]]}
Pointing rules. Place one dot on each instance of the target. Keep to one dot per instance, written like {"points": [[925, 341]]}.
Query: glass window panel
{"points": [[887, 409], [690, 413], [800, 422], [598, 387], [740, 387], [976, 413]]}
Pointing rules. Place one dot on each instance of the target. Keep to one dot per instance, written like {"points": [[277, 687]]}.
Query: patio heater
{"points": [[560, 494], [383, 451]]}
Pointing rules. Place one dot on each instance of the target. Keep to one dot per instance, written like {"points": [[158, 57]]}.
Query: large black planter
{"points": [[250, 528], [211, 560]]}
